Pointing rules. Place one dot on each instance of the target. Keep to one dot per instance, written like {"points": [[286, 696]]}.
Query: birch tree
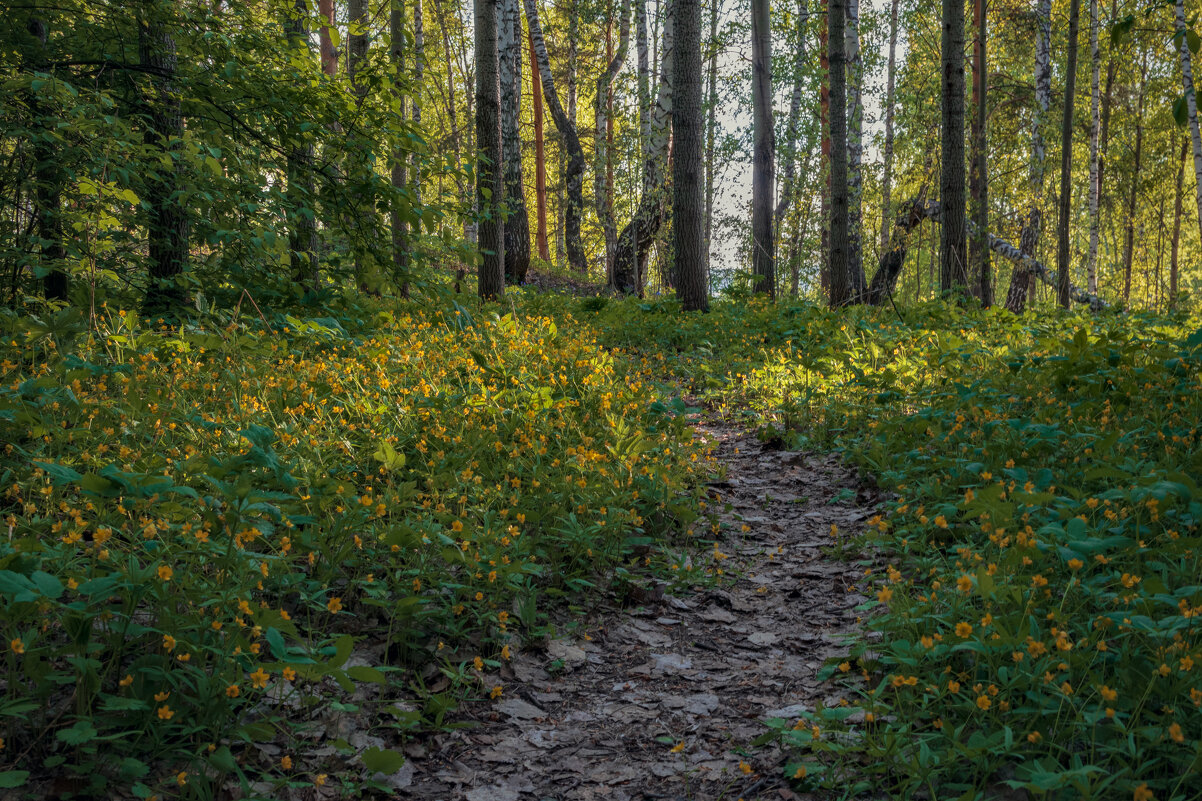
{"points": [[887, 175], [634, 242], [574, 170], [1066, 159], [1191, 100], [1020, 281]]}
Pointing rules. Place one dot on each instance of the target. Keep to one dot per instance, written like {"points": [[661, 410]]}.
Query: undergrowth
{"points": [[221, 534], [1038, 627]]}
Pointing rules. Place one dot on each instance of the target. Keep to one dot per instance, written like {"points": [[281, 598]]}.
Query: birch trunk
{"points": [[540, 158], [1020, 282], [574, 171], [887, 177], [602, 172], [509, 61], [1191, 101], [763, 170], [1091, 264], [634, 242]]}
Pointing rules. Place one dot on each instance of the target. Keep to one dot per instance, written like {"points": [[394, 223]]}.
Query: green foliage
{"points": [[1036, 625], [206, 523]]}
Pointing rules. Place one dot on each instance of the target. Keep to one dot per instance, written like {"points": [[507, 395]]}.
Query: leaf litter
{"points": [[662, 700]]}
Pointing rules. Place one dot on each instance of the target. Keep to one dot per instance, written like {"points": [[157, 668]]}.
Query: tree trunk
{"points": [[167, 228], [711, 130], [979, 174], [359, 164], [1022, 284], [855, 152], [540, 158], [602, 173], [953, 255], [329, 54], [1129, 248], [490, 178], [788, 184], [893, 258], [517, 222], [824, 113], [1095, 188], [398, 225], [887, 177], [763, 170], [688, 208], [574, 173], [1107, 95], [840, 272], [1173, 266], [1191, 102], [47, 176], [1066, 157], [634, 243]]}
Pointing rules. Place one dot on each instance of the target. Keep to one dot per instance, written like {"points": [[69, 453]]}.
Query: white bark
{"points": [[1191, 102]]}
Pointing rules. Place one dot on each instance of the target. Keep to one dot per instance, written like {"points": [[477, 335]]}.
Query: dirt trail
{"points": [[698, 669]]}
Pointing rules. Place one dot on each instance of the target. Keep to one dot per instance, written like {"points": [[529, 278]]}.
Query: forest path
{"points": [[700, 669]]}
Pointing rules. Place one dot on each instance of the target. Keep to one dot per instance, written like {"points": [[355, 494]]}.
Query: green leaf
{"points": [[388, 456], [1192, 39], [367, 674], [1180, 112], [80, 733], [382, 760], [13, 778]]}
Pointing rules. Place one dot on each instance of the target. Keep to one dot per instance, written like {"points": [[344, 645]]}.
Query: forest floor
{"points": [[661, 698]]}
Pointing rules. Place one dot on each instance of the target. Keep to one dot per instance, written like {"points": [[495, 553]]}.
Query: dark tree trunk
{"points": [[1173, 266], [711, 130], [517, 222], [979, 176], [688, 206], [168, 224], [1129, 249], [302, 220], [841, 289], [399, 227], [490, 179], [953, 250], [47, 176], [1066, 158], [763, 175]]}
